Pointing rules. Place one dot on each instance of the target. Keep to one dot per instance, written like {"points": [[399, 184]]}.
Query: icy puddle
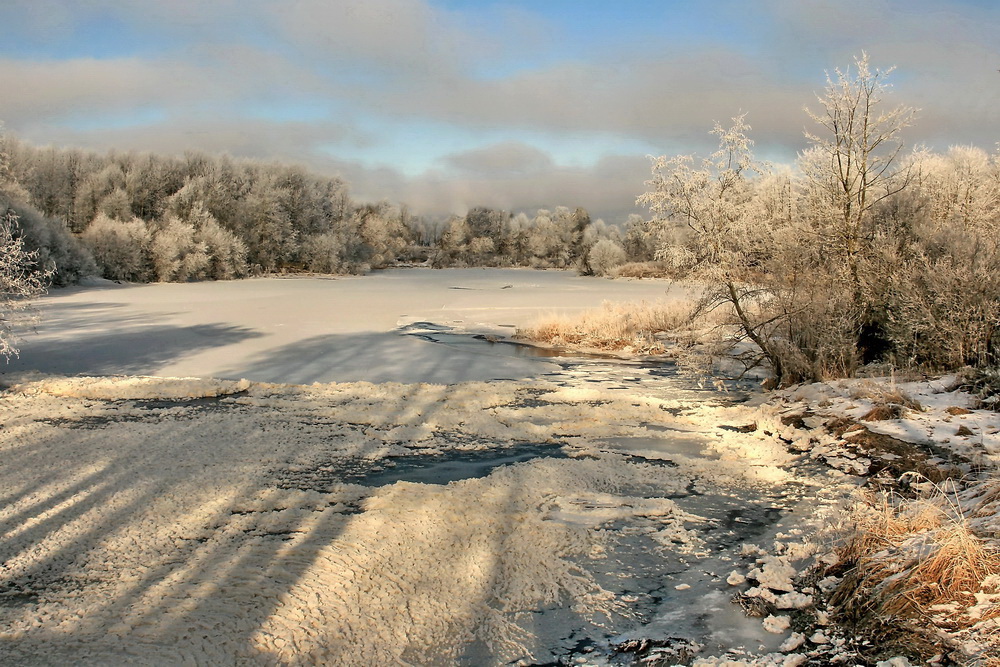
{"points": [[436, 468], [156, 521]]}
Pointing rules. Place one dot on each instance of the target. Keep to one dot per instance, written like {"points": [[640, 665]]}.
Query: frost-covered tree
{"points": [[851, 168], [605, 256], [20, 280], [227, 255], [724, 237], [121, 249], [852, 165], [177, 254], [323, 253]]}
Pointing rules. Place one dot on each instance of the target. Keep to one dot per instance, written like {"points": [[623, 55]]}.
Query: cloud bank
{"points": [[447, 105]]}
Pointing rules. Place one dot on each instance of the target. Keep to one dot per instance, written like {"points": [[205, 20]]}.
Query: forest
{"points": [[145, 217]]}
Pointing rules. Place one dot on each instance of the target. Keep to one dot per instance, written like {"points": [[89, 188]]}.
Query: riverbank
{"points": [[910, 567]]}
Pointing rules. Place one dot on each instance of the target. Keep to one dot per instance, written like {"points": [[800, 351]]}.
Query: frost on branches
{"points": [[20, 280], [719, 215]]}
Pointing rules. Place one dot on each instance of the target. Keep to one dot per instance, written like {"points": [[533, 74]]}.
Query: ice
{"points": [[213, 521], [309, 329]]}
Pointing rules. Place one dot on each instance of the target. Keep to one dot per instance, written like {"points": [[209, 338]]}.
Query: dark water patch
{"points": [[150, 411], [482, 344], [202, 403], [734, 519], [442, 468], [17, 599], [679, 443], [95, 422]]}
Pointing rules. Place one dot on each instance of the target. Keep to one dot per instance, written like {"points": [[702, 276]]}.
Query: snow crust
{"points": [[170, 520]]}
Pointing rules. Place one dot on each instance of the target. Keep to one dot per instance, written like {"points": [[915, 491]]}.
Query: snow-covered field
{"points": [[492, 509]]}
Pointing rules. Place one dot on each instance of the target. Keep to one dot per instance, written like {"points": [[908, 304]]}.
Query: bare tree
{"points": [[851, 167]]}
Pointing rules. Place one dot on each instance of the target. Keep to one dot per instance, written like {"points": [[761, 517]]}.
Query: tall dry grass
{"points": [[632, 327], [931, 560]]}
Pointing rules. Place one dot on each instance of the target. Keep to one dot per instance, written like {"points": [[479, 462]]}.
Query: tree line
{"points": [[148, 217]]}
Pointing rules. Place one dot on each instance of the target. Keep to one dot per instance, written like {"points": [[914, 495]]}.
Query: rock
{"points": [[777, 624], [794, 641]]}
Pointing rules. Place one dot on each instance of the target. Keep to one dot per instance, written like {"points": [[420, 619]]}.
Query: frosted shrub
{"points": [[946, 305], [121, 249], [177, 256], [20, 280], [604, 256], [52, 243], [323, 253], [480, 248], [227, 255], [116, 205]]}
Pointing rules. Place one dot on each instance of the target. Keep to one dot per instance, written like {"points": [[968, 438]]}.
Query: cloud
{"points": [[501, 160], [505, 78], [607, 189], [299, 142], [212, 81]]}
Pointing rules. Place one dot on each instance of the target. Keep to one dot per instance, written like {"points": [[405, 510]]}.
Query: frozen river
{"points": [[504, 509], [304, 330]]}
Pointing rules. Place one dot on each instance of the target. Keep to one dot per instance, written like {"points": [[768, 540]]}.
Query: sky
{"points": [[448, 104]]}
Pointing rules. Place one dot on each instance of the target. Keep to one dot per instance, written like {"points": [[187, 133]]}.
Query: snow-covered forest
{"points": [[146, 217]]}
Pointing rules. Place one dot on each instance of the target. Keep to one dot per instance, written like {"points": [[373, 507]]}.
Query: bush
{"points": [[177, 256], [605, 256], [20, 280], [227, 255], [121, 249], [54, 248], [323, 253]]}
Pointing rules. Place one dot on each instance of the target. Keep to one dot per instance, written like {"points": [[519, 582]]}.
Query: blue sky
{"points": [[446, 104]]}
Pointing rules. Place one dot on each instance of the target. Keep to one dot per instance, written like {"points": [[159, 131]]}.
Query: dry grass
{"points": [[641, 270], [633, 327], [890, 402], [923, 560], [984, 384], [886, 394]]}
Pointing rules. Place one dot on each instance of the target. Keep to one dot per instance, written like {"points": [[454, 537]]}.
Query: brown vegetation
{"points": [[932, 558], [632, 327]]}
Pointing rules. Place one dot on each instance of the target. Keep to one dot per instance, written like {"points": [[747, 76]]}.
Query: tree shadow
{"points": [[380, 357], [69, 316], [226, 557], [133, 351]]}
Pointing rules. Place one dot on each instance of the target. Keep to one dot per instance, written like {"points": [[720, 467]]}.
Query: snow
{"points": [[309, 329], [777, 624], [204, 520], [154, 513]]}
